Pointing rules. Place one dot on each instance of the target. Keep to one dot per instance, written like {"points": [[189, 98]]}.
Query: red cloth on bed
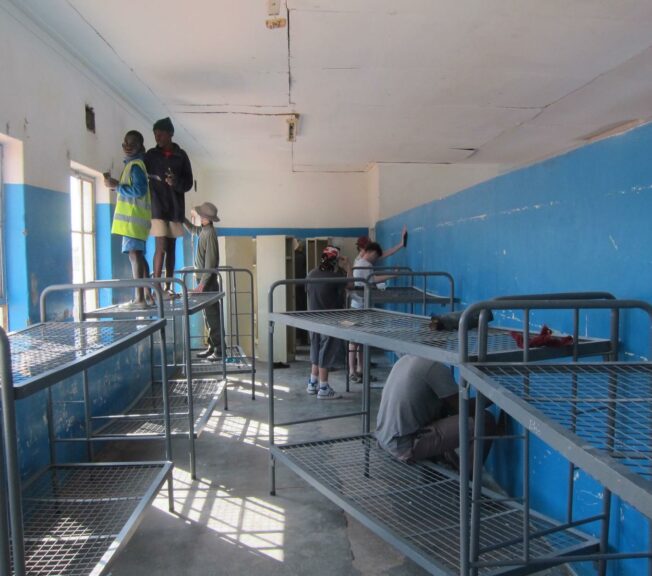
{"points": [[544, 338]]}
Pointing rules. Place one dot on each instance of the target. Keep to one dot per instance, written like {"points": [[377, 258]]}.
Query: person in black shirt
{"points": [[170, 175], [325, 296]]}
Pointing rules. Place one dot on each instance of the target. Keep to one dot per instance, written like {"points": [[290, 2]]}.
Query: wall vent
{"points": [[90, 119]]}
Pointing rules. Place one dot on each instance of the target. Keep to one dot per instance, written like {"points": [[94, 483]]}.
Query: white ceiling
{"points": [[423, 81]]}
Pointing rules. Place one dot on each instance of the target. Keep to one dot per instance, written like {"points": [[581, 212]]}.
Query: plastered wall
{"points": [[578, 222]]}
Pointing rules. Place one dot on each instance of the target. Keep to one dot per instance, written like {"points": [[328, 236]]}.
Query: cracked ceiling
{"points": [[503, 82]]}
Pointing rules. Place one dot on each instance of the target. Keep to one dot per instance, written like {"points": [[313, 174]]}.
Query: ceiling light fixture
{"points": [[612, 130]]}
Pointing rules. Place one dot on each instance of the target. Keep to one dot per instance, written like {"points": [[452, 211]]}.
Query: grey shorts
{"points": [[324, 350]]}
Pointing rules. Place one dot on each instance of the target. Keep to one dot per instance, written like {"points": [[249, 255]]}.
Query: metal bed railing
{"points": [[143, 419], [72, 518], [411, 293], [234, 359], [596, 415], [326, 465]]}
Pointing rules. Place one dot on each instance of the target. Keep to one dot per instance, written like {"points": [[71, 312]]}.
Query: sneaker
{"points": [[214, 357], [359, 376], [206, 353], [355, 378], [312, 387], [327, 393]]}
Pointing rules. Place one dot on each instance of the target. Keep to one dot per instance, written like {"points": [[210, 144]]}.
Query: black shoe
{"points": [[206, 353]]}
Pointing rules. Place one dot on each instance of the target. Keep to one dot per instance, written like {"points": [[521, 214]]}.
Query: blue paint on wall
{"points": [[16, 256], [575, 222], [39, 253], [49, 248]]}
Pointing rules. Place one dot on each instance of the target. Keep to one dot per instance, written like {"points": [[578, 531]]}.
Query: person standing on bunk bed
{"points": [[418, 417], [133, 214], [369, 253], [324, 350], [170, 175], [207, 256]]}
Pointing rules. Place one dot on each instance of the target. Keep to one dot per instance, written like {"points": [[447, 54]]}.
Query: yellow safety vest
{"points": [[133, 216]]}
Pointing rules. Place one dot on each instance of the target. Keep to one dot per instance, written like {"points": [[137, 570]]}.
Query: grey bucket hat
{"points": [[208, 210]]}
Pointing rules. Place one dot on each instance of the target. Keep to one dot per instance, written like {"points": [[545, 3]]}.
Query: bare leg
{"points": [[352, 358], [170, 257], [159, 255], [138, 267], [323, 374]]}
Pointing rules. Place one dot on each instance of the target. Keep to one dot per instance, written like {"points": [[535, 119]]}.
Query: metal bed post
{"points": [[270, 389], [464, 390], [574, 392], [610, 425], [220, 288], [11, 458], [5, 519], [5, 553], [366, 374], [478, 451], [526, 447], [253, 327]]}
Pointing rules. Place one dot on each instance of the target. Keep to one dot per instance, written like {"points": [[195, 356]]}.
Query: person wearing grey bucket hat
{"points": [[208, 257], [207, 210]]}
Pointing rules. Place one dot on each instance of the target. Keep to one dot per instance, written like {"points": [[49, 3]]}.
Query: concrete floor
{"points": [[226, 522]]}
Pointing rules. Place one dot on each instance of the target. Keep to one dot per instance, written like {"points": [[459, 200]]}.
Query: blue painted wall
{"points": [[39, 253], [580, 221]]}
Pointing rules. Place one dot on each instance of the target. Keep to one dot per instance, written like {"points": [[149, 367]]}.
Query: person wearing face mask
{"points": [[170, 175]]}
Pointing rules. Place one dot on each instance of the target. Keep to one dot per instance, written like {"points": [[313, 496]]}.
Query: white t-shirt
{"points": [[362, 268]]}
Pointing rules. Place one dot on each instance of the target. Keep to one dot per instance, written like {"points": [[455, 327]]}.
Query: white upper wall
{"points": [[404, 186], [256, 199], [42, 104]]}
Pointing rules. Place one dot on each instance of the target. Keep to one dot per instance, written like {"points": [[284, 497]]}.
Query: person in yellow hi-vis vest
{"points": [[133, 212]]}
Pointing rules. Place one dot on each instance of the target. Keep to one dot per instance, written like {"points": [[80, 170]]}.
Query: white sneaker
{"points": [[327, 393], [312, 387]]}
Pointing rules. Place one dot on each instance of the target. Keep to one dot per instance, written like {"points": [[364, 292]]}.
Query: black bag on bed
{"points": [[451, 320]]}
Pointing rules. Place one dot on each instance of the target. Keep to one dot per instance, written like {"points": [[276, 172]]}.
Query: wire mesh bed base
{"points": [[416, 508], [78, 516], [237, 362], [412, 334], [596, 415], [145, 416]]}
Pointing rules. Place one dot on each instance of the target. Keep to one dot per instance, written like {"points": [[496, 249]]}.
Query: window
{"points": [[82, 210]]}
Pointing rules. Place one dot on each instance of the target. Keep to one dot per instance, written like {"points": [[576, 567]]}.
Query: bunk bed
{"points": [[416, 507], [192, 400], [238, 336], [72, 518], [595, 414], [409, 287]]}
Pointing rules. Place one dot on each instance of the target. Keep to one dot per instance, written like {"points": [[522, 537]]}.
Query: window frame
{"points": [[85, 232]]}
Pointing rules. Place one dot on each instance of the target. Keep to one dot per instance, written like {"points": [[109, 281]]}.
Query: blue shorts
{"points": [[129, 244]]}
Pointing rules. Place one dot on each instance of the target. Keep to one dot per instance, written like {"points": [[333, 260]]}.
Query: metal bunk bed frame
{"points": [[411, 294], [77, 514], [588, 412], [234, 360], [143, 419], [409, 514]]}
